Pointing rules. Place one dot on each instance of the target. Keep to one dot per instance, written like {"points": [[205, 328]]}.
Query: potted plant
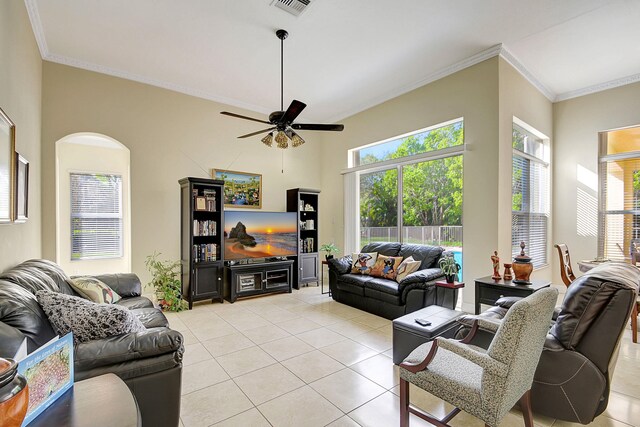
{"points": [[449, 267], [330, 249], [166, 283]]}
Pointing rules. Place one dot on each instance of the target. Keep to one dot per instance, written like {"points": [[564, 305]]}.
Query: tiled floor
{"points": [[302, 359]]}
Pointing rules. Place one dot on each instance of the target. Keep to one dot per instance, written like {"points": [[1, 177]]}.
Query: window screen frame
{"points": [[119, 216], [605, 158], [543, 159]]}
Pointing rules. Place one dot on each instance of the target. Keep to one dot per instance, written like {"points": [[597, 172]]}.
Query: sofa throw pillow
{"points": [[86, 319], [386, 266], [406, 267], [94, 289], [363, 262]]}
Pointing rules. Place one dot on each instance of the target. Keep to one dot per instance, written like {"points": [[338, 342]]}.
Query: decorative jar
{"points": [[522, 267], [14, 394]]}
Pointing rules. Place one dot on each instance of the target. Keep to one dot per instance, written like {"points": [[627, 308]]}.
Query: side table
{"points": [[325, 262], [102, 401], [488, 290], [447, 293]]}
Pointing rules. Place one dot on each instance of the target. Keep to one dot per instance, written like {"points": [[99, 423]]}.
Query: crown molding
{"points": [[515, 63], [611, 84], [36, 25], [429, 78], [154, 82]]}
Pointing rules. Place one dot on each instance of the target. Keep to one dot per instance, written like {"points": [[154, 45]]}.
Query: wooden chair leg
{"points": [[525, 406], [404, 403], [634, 324]]}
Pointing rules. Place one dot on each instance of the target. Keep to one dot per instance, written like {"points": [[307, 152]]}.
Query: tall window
{"points": [[619, 219], [530, 194], [96, 216], [411, 188]]}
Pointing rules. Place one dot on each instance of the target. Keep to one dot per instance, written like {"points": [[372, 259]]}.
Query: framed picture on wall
{"points": [[241, 189], [7, 167], [22, 189]]}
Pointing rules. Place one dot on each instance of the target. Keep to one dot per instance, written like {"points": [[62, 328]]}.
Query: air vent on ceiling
{"points": [[294, 7]]}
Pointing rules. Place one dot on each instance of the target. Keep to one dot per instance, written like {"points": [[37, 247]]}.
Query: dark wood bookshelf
{"points": [[202, 279], [306, 203]]}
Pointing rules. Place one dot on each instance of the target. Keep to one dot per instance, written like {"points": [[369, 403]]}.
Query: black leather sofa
{"points": [[574, 373], [384, 297], [149, 362]]}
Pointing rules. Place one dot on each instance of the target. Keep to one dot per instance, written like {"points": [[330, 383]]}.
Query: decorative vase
{"points": [[507, 272], [14, 394], [522, 267]]}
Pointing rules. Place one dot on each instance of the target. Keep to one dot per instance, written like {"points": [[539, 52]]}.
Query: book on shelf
{"points": [[205, 252], [204, 228]]}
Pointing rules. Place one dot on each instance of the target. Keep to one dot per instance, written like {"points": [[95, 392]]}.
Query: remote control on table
{"points": [[423, 322]]}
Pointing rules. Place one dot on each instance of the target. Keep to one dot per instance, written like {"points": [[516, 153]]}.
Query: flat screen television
{"points": [[253, 234]]}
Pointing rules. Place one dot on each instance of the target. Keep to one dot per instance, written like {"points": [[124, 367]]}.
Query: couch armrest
{"points": [[422, 276], [340, 265], [125, 284], [122, 348], [421, 279]]}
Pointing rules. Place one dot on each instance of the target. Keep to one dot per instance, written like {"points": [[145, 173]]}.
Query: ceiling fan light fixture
{"points": [[296, 140], [268, 139], [282, 140]]}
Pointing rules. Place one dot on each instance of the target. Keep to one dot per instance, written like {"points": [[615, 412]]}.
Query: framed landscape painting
{"points": [[241, 189]]}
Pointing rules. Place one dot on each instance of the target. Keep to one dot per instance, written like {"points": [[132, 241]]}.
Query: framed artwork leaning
{"points": [[7, 167], [241, 189]]}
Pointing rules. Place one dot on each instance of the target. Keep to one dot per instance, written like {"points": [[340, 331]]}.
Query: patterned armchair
{"points": [[488, 383]]}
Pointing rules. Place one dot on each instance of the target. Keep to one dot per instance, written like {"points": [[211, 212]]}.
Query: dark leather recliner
{"points": [[573, 376], [149, 362], [385, 297]]}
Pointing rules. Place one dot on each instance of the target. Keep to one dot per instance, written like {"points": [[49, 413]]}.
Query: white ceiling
{"points": [[342, 56]]}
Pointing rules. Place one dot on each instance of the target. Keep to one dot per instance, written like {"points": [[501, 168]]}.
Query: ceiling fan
{"points": [[282, 126]]}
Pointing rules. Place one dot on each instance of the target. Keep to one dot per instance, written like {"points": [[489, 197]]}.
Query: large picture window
{"points": [[530, 194], [410, 188], [619, 219], [96, 216]]}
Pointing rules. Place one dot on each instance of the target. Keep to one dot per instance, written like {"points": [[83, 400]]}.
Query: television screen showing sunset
{"points": [[259, 234]]}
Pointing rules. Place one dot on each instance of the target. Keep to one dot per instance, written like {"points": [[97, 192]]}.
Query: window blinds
{"points": [[96, 216], [619, 208], [530, 197]]}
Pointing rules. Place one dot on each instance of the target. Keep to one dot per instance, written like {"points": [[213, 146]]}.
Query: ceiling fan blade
{"points": [[226, 113], [293, 111], [315, 126], [258, 132]]}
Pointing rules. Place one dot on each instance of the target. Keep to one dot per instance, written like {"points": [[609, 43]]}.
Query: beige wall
{"points": [[575, 151], [471, 93], [20, 98], [170, 136], [520, 99], [80, 153]]}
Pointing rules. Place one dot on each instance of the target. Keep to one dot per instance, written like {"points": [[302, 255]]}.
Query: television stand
{"points": [[245, 280]]}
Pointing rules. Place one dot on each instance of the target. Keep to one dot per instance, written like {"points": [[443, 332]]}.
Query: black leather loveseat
{"points": [[149, 362], [385, 297], [574, 373]]}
